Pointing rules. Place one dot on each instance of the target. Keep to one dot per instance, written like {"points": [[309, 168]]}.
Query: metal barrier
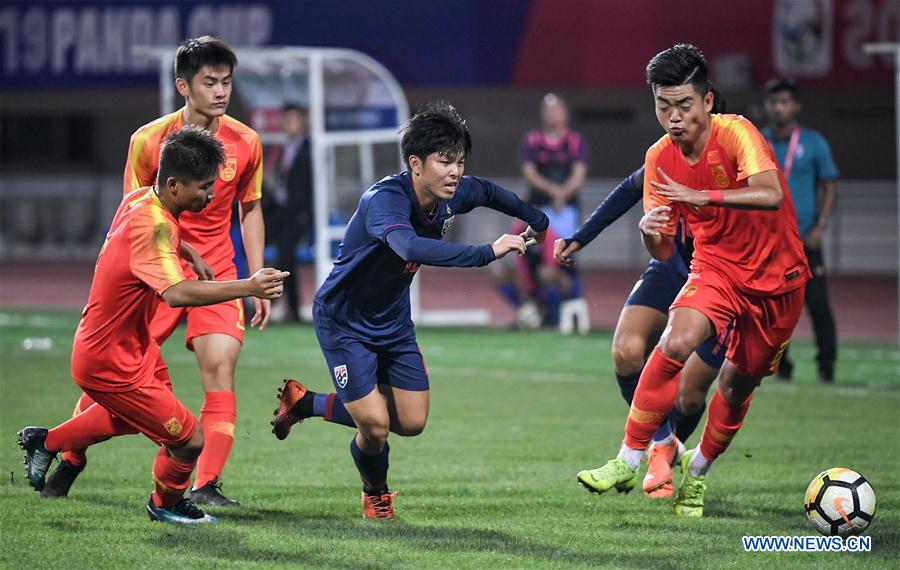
{"points": [[66, 217]]}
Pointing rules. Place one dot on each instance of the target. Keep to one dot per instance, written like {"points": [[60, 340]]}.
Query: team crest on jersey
{"points": [[340, 375], [719, 174], [173, 426], [229, 169], [448, 223]]}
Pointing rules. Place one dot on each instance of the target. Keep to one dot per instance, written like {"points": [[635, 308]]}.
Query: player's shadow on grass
{"points": [[300, 530]]}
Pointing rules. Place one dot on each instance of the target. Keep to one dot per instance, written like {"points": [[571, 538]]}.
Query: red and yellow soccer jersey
{"points": [[760, 251], [239, 179], [113, 349]]}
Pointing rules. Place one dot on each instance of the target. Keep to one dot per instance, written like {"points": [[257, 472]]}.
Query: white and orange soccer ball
{"points": [[840, 502]]}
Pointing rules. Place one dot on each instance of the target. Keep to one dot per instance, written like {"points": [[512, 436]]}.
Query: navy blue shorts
{"points": [[659, 284], [657, 288], [356, 366]]}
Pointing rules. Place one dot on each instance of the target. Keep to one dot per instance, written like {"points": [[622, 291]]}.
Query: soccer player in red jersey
{"points": [[748, 267], [203, 75], [115, 358]]}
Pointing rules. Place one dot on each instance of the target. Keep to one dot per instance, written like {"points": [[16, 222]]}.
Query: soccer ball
{"points": [[840, 502]]}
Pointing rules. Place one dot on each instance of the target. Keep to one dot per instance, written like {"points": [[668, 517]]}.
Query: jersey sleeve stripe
{"points": [[163, 242], [757, 158]]}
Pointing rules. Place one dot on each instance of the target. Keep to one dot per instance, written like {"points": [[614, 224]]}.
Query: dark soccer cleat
{"points": [[211, 494], [37, 458], [290, 393], [60, 481], [185, 512]]}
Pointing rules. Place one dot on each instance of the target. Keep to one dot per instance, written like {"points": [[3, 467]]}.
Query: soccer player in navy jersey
{"points": [[642, 321], [362, 311]]}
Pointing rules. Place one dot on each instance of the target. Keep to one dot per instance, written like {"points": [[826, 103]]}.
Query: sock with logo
{"points": [[217, 416], [654, 398], [722, 424], [171, 479]]}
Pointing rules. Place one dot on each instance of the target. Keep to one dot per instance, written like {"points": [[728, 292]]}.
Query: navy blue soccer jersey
{"points": [[389, 237]]}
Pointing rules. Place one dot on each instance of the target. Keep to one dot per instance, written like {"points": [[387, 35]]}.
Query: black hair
{"points": [[195, 53], [295, 107], [437, 128], [779, 84], [190, 154], [720, 105], [679, 65]]}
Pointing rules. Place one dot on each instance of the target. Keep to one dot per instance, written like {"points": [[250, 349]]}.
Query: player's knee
{"points": [[690, 402], [190, 450], [678, 345], [628, 354], [411, 428], [218, 376], [737, 388], [373, 431]]}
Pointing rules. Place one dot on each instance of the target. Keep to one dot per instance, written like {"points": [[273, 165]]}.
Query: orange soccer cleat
{"points": [[289, 394], [658, 480], [378, 506]]}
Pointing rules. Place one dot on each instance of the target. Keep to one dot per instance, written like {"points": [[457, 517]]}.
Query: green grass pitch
{"points": [[491, 482]]}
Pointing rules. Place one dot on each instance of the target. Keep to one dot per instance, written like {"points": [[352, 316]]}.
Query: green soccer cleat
{"points": [[616, 473], [689, 500]]}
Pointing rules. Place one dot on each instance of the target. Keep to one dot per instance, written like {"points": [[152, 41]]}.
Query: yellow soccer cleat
{"points": [[616, 473], [689, 501]]}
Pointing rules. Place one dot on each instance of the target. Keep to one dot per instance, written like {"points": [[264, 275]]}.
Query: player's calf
{"points": [[296, 403], [60, 481]]}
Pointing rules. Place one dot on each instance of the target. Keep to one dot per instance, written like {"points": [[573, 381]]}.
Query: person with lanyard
{"points": [[805, 157]]}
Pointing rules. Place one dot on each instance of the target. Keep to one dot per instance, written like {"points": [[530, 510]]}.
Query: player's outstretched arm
{"points": [[764, 192], [264, 284], [412, 247], [652, 225], [620, 200], [500, 199]]}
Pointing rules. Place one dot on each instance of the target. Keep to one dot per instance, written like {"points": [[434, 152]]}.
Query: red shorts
{"points": [[151, 408], [223, 318], [762, 325]]}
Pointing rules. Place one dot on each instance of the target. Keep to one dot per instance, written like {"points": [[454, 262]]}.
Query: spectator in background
{"points": [[805, 158], [288, 176], [554, 164]]}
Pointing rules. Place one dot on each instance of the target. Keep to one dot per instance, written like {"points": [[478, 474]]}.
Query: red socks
{"points": [[723, 421], [77, 456], [171, 479], [217, 417], [653, 399], [91, 426]]}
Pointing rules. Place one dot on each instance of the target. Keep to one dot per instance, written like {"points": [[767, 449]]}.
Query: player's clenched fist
{"points": [[507, 243], [268, 283], [655, 220], [563, 251], [533, 236]]}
